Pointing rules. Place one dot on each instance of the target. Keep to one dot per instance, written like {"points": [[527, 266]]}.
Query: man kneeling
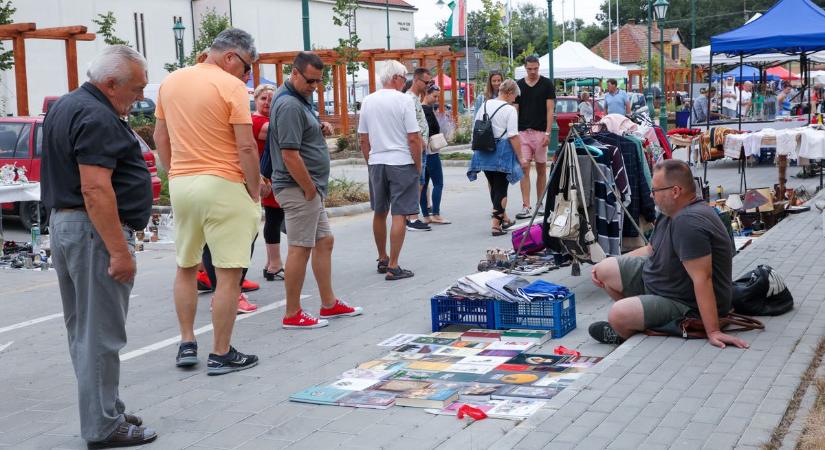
{"points": [[684, 271]]}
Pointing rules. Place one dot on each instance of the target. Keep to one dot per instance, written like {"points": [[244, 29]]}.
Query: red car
{"points": [[567, 112], [21, 143]]}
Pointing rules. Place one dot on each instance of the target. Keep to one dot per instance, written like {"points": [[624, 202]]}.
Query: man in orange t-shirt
{"points": [[204, 138]]}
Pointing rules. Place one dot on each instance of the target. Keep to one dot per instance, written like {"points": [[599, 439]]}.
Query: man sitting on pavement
{"points": [[300, 162], [684, 271], [391, 143]]}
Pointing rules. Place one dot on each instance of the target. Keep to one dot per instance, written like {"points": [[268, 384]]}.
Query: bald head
{"points": [[677, 173]]}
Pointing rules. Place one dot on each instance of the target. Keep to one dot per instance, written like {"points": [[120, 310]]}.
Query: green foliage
{"points": [[163, 199], [464, 130], [342, 143], [343, 191], [106, 28], [210, 27], [6, 13], [457, 156], [344, 16], [141, 120]]}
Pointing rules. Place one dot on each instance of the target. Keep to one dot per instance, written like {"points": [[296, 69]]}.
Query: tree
{"points": [[6, 13], [344, 16], [211, 26], [106, 27]]}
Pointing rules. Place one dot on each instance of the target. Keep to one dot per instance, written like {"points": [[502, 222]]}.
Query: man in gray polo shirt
{"points": [[685, 271], [300, 163]]}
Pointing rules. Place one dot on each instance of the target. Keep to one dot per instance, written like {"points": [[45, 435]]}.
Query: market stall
{"points": [[572, 60]]}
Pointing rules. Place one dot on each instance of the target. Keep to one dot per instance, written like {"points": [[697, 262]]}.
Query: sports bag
{"points": [[761, 292], [533, 243], [483, 138]]}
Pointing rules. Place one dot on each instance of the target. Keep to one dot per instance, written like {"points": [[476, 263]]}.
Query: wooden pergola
{"points": [[675, 78], [331, 58], [19, 32]]}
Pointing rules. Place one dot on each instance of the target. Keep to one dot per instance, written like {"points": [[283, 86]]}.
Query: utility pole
{"points": [[388, 24], [554, 127], [305, 13], [651, 107]]}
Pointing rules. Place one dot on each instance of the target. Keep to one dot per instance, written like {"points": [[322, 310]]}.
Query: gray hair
{"points": [[390, 69], [235, 39], [113, 62], [509, 86]]}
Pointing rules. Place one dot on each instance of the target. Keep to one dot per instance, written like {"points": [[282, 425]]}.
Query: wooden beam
{"points": [[71, 63], [371, 70], [55, 33], [454, 89], [21, 83], [10, 31], [85, 37], [256, 74], [440, 77], [342, 70], [322, 107], [333, 74]]}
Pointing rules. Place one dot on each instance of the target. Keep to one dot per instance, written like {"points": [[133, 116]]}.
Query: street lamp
{"points": [[554, 127], [651, 107], [305, 17], [178, 29], [660, 7], [477, 54], [388, 23]]}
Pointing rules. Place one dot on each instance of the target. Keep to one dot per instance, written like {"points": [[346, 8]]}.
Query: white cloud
{"points": [[429, 13]]}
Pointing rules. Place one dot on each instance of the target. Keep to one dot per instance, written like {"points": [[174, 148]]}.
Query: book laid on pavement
{"points": [[414, 348], [481, 335], [399, 339], [509, 345], [534, 336], [515, 409], [432, 366], [429, 397], [485, 360], [410, 374], [470, 344], [457, 377], [400, 385], [584, 362], [367, 373], [476, 369], [507, 353], [319, 395], [533, 359], [514, 392], [384, 365], [368, 399], [449, 350], [510, 377], [479, 391], [353, 384], [454, 335], [431, 340]]}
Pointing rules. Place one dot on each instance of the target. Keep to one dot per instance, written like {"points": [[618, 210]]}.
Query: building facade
{"points": [[276, 26]]}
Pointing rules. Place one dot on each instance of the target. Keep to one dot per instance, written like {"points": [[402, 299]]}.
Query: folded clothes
{"points": [[543, 289]]}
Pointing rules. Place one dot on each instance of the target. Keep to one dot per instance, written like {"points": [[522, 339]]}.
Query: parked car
{"points": [[21, 143], [567, 112], [48, 101], [145, 107]]}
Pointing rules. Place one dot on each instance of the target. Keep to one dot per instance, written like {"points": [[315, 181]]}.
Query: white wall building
{"points": [[276, 26]]}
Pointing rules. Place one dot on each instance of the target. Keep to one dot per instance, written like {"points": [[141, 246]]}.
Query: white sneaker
{"points": [[525, 213]]}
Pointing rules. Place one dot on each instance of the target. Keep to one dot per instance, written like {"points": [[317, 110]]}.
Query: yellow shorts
{"points": [[213, 210]]}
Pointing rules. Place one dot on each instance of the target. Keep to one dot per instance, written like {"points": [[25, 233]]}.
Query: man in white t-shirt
{"points": [[391, 143], [745, 98], [730, 95]]}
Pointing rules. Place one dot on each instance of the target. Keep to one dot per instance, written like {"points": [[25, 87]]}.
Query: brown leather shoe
{"points": [[126, 435]]}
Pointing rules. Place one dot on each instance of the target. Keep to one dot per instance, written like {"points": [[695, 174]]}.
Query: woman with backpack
{"points": [[500, 160]]}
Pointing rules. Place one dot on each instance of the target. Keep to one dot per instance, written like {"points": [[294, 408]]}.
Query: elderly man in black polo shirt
{"points": [[96, 183]]}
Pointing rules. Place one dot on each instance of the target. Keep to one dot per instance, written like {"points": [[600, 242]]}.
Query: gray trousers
{"points": [[94, 309]]}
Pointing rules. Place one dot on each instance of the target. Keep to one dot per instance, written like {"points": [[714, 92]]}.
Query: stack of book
{"points": [[490, 369]]}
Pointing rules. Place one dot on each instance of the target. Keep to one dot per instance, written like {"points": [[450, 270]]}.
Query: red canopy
{"points": [[783, 73]]}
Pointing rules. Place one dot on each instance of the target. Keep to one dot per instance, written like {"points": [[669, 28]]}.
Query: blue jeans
{"points": [[435, 174]]}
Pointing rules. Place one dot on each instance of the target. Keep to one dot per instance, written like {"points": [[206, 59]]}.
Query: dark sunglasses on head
{"points": [[309, 80], [246, 66]]}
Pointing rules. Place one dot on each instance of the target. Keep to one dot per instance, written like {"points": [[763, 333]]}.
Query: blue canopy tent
{"points": [[749, 73], [791, 26]]}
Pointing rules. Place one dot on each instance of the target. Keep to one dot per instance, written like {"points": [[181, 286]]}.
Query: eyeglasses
{"points": [[309, 80], [246, 66], [653, 191]]}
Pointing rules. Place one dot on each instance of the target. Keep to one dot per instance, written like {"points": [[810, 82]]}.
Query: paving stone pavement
{"points": [[628, 402]]}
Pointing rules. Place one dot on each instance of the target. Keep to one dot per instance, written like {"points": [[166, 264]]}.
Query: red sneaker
{"points": [[341, 309], [303, 320], [249, 286], [203, 281], [244, 306]]}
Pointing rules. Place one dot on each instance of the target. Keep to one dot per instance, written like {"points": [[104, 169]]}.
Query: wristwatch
{"points": [[546, 133]]}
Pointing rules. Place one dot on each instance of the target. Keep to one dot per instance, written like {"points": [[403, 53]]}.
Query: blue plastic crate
{"points": [[557, 315], [460, 311]]}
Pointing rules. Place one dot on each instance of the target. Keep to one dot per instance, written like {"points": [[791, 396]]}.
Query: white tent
{"points": [[573, 60], [700, 56]]}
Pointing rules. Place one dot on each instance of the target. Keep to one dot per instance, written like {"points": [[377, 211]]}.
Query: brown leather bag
{"points": [[690, 327]]}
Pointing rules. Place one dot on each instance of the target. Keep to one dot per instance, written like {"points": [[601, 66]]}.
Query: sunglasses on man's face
{"points": [[308, 80], [246, 66]]}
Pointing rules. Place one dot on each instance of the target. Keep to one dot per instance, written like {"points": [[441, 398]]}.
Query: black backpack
{"points": [[483, 138], [761, 292]]}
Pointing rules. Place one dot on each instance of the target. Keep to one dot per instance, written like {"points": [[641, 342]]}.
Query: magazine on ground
{"points": [[514, 392], [429, 397], [368, 399], [399, 339], [400, 385], [353, 384], [320, 395]]}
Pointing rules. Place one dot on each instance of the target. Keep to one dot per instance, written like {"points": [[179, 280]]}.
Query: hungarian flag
{"points": [[457, 25]]}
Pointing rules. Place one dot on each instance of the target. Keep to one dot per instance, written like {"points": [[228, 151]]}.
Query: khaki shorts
{"points": [[213, 210], [531, 147], [306, 221], [658, 310]]}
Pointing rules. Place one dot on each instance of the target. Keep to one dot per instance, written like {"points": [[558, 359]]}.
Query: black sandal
{"points": [[397, 273], [272, 276], [125, 435], [382, 265], [498, 231]]}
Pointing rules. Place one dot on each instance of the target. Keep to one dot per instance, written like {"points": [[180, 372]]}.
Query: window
{"points": [[565, 105], [22, 149], [9, 134], [38, 141], [674, 52]]}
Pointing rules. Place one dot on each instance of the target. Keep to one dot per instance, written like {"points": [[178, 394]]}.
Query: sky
{"points": [[429, 13]]}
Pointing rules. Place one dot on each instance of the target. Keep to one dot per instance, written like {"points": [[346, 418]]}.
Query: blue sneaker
{"points": [[187, 354]]}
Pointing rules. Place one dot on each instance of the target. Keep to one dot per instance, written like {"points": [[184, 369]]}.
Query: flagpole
{"points": [[466, 57]]}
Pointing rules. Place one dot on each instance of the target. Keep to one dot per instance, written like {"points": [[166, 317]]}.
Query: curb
{"points": [[361, 162], [349, 210]]}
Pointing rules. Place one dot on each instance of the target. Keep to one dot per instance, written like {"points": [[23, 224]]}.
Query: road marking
{"points": [[30, 322], [5, 346], [204, 329]]}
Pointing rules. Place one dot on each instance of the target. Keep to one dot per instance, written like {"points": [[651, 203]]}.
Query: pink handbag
{"points": [[533, 242]]}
